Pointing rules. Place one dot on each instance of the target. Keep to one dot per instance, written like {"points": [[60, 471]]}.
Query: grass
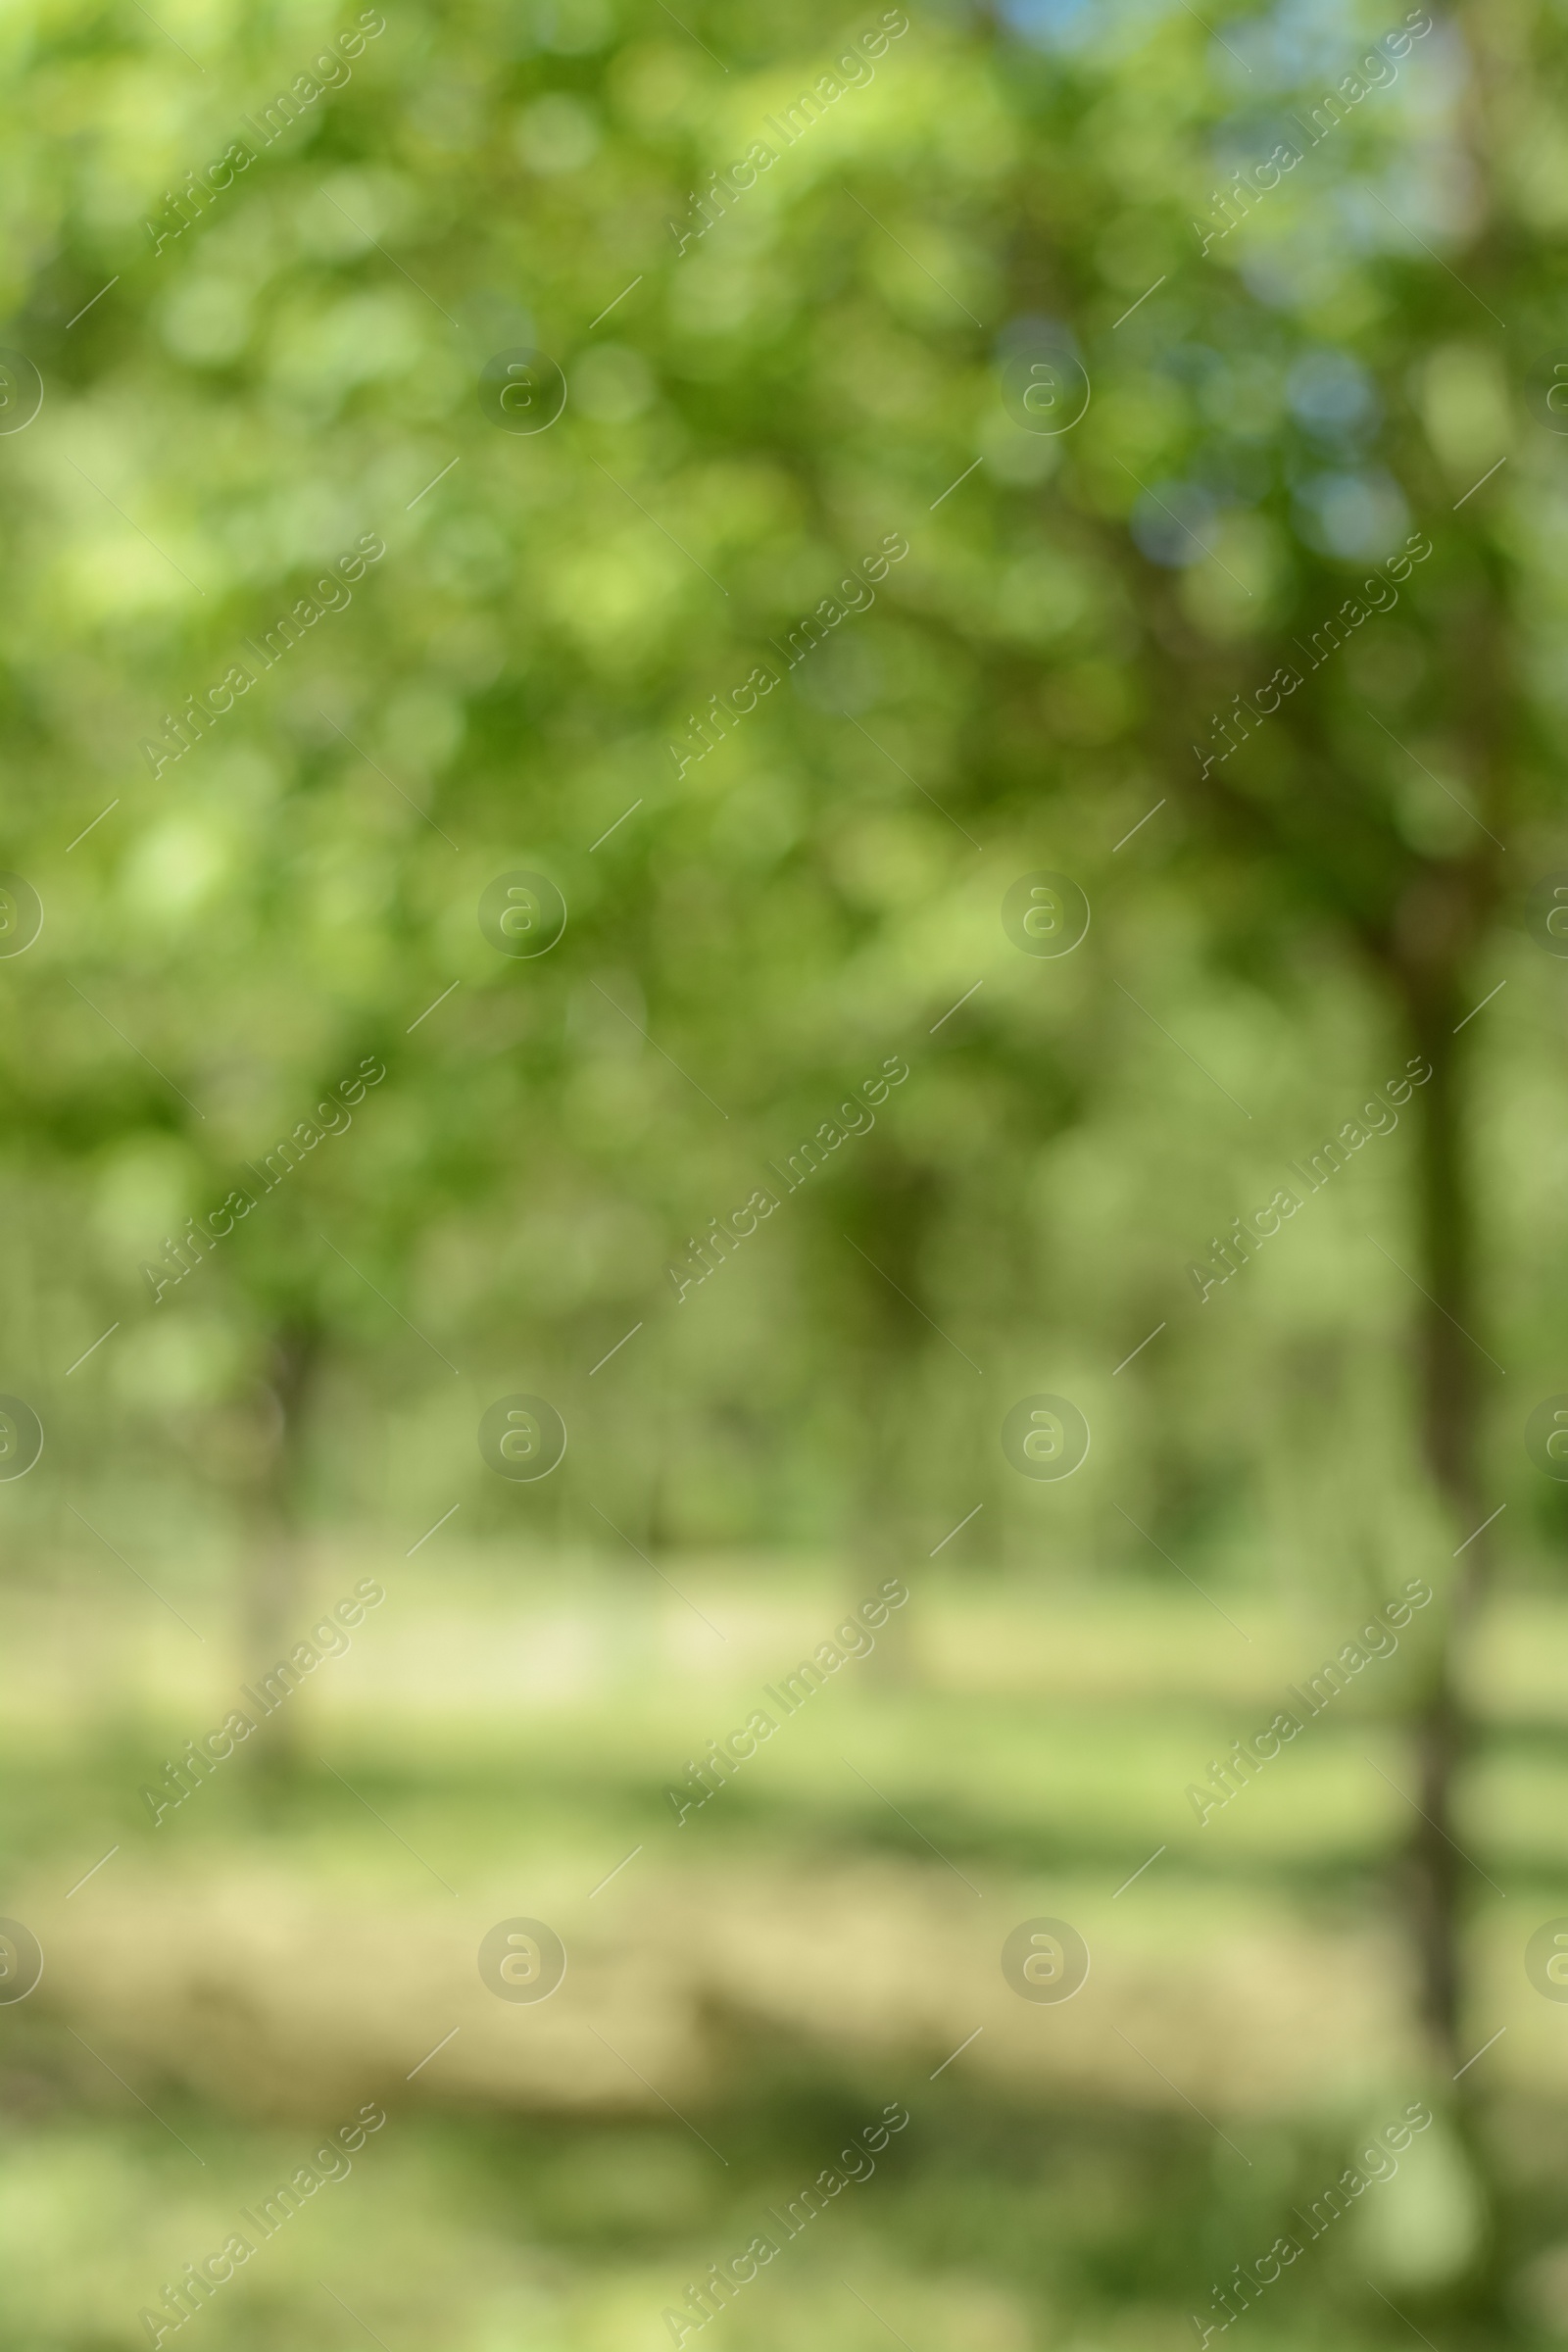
{"points": [[754, 1985]]}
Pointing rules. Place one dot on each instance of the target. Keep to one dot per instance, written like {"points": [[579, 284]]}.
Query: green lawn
{"points": [[754, 1984]]}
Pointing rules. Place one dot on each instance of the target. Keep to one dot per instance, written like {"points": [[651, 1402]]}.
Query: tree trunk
{"points": [[1449, 1365], [1438, 924], [274, 1601], [1450, 1362]]}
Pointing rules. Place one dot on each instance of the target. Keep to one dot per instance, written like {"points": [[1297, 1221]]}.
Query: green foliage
{"points": [[770, 392]]}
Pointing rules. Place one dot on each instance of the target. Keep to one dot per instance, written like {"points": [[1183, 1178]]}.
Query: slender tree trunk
{"points": [[1439, 926], [1448, 1367], [891, 1214], [1443, 1879], [274, 1601]]}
